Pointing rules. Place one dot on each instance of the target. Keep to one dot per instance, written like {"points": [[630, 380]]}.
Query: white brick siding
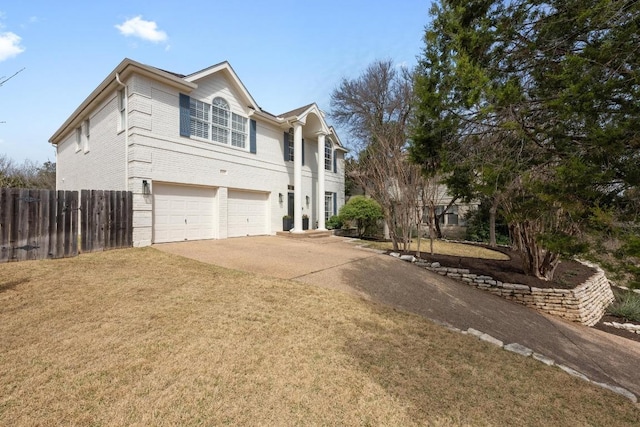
{"points": [[103, 166], [157, 153]]}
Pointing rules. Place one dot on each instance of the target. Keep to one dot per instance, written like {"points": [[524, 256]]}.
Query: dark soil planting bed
{"points": [[568, 275]]}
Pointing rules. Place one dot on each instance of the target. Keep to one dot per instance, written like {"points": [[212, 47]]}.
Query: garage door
{"points": [[183, 213], [247, 213]]}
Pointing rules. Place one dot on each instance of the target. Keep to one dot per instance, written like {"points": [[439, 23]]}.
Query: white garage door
{"points": [[247, 213], [183, 213]]}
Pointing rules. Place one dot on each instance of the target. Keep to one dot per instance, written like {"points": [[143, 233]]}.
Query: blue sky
{"points": [[287, 53]]}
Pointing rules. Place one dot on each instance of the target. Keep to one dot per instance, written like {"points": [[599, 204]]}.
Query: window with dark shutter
{"points": [[288, 146], [252, 136], [185, 120], [335, 162]]}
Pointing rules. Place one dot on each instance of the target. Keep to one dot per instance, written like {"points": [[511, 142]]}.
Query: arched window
{"points": [[220, 121], [328, 154], [217, 120]]}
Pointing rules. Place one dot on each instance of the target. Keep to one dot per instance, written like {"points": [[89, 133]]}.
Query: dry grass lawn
{"points": [[445, 248], [139, 337]]}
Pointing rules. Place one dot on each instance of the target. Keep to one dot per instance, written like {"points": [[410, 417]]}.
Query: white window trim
{"points": [[452, 213], [291, 145], [229, 129], [245, 124], [328, 144], [328, 205], [78, 138], [86, 135], [122, 109]]}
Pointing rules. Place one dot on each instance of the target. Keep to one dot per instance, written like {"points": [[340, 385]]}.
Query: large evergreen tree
{"points": [[538, 104]]}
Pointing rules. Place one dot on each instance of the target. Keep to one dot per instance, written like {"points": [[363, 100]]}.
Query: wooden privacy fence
{"points": [[107, 222], [39, 224]]}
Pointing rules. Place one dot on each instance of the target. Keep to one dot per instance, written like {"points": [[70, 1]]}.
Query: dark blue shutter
{"points": [[335, 203], [185, 120], [252, 136], [303, 152], [335, 161], [286, 146]]}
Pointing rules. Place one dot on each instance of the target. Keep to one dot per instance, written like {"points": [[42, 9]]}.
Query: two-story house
{"points": [[202, 159]]}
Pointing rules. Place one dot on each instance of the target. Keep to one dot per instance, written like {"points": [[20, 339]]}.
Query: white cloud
{"points": [[9, 45], [146, 30]]}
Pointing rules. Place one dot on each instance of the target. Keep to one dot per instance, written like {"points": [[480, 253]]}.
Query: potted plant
{"points": [[287, 223], [305, 222]]}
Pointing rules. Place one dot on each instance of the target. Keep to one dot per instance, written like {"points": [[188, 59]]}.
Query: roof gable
{"points": [[226, 69]]}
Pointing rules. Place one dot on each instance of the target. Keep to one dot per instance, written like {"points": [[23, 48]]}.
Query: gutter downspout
{"points": [[126, 132]]}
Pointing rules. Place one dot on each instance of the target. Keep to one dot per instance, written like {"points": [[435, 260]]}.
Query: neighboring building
{"points": [[202, 159], [453, 223]]}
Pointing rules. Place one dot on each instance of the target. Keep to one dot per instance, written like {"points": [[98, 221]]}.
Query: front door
{"points": [[290, 202]]}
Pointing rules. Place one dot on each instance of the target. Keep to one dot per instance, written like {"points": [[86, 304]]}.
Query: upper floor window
{"points": [[328, 155], [290, 147], [78, 138], [238, 131], [199, 112], [220, 121], [122, 107], [87, 134], [216, 122]]}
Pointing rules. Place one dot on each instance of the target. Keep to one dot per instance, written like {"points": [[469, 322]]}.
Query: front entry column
{"points": [[297, 178], [321, 199]]}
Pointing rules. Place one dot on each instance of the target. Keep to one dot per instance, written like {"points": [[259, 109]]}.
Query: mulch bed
{"points": [[568, 275]]}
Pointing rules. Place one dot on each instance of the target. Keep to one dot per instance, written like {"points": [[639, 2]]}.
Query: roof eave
{"points": [[123, 70]]}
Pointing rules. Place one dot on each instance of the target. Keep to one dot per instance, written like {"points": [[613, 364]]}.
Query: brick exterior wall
{"points": [[157, 153]]}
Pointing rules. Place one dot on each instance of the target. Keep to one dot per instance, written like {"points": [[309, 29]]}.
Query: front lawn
{"points": [[140, 337], [442, 247]]}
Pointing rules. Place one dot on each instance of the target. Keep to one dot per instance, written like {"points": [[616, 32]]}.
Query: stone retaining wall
{"points": [[585, 304]]}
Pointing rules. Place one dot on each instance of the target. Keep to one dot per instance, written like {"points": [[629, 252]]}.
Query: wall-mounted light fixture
{"points": [[307, 199], [280, 197], [145, 187]]}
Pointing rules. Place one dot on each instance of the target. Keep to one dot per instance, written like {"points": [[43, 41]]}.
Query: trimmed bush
{"points": [[334, 223], [364, 211]]}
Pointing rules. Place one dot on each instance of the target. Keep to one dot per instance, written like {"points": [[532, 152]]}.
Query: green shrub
{"points": [[626, 305], [334, 223], [364, 211], [632, 246]]}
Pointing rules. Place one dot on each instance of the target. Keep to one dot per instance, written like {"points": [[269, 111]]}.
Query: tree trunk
{"points": [[536, 261], [492, 224], [390, 219], [432, 229], [436, 224]]}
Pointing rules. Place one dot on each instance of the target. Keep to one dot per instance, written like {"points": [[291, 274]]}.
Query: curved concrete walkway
{"points": [[337, 263]]}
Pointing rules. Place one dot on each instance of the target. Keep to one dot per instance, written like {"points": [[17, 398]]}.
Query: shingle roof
{"points": [[295, 112], [182, 76]]}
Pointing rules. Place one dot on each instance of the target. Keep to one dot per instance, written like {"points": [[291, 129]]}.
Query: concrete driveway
{"points": [[338, 263]]}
